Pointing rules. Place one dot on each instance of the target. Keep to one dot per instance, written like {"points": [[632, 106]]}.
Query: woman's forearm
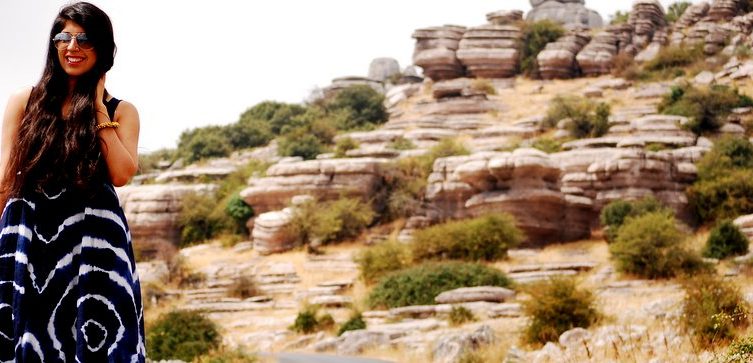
{"points": [[120, 164]]}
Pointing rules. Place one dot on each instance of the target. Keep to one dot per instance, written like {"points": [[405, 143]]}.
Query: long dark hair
{"points": [[54, 149]]}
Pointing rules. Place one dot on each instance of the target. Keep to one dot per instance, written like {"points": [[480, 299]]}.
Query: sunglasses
{"points": [[63, 40]]}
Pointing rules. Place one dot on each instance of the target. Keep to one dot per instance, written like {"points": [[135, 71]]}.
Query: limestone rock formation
{"points": [[152, 213], [504, 17], [322, 179], [723, 10], [693, 14], [382, 69], [345, 82], [566, 12], [269, 235], [646, 18], [435, 51], [524, 183], [557, 60], [596, 58], [490, 51]]}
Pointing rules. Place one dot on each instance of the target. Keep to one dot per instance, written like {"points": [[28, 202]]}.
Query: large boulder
{"points": [[566, 12], [435, 51], [490, 51], [382, 69], [152, 213]]}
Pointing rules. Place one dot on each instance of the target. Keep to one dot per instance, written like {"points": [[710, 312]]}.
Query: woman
{"points": [[69, 291]]}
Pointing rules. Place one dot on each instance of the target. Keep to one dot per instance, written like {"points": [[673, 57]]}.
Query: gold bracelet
{"points": [[103, 125]]}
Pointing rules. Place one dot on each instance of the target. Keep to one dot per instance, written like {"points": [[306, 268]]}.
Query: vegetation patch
{"points": [[383, 258], [713, 310], [535, 37], [724, 188], [725, 240], [585, 117], [421, 284], [484, 238], [706, 107], [355, 322], [329, 221], [182, 335], [616, 212], [650, 246], [460, 315], [556, 306]]}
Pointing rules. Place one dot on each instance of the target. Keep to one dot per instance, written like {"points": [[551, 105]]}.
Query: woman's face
{"points": [[74, 59]]}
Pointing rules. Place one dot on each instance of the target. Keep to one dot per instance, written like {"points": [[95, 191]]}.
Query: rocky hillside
{"points": [[646, 119]]}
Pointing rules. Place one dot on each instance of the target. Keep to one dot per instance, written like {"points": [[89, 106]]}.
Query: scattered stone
{"points": [[574, 336], [450, 348], [478, 293]]}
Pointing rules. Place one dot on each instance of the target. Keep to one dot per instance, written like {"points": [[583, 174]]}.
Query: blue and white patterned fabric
{"points": [[69, 291]]}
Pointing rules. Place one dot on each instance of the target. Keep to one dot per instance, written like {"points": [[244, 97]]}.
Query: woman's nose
{"points": [[71, 45]]}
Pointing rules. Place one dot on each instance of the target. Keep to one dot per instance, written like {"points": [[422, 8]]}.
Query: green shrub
{"points": [[181, 335], [329, 221], [362, 105], [309, 320], [204, 142], [535, 37], [276, 114], [196, 220], [556, 306], [405, 185], [148, 162], [459, 315], [740, 351], [484, 238], [672, 57], [587, 118], [725, 240], [445, 148], [547, 145], [238, 209], [249, 133], [724, 188], [421, 284], [401, 143], [676, 10], [379, 260], [706, 107], [713, 309], [227, 356], [344, 145], [355, 322], [614, 214], [650, 246], [619, 17]]}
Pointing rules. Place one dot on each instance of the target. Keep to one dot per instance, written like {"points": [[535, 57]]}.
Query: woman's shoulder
{"points": [[20, 98], [125, 108]]}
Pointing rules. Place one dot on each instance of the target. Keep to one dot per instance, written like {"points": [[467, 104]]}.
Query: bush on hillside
{"points": [[725, 240], [535, 37], [706, 107], [243, 287], [276, 115], [619, 17], [483, 85], [460, 315], [343, 145], [329, 221], [401, 143], [445, 148], [739, 351], [556, 306], [362, 106], [713, 310], [383, 258], [405, 185], [650, 246], [309, 320], [614, 214], [196, 219], [421, 284], [673, 57], [148, 162], [182, 335], [675, 10], [355, 322], [202, 143], [724, 188], [587, 118], [484, 238], [547, 145]]}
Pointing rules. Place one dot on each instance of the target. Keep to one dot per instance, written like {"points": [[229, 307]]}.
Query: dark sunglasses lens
{"points": [[62, 40], [84, 42]]}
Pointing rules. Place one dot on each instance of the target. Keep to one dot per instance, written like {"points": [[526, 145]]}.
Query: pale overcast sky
{"points": [[193, 63]]}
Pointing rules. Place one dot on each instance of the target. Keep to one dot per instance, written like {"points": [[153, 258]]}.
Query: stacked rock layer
{"points": [[435, 51], [490, 51], [557, 60]]}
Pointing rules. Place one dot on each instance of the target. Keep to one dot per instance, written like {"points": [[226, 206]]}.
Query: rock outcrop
{"points": [[382, 69], [435, 51], [646, 18], [596, 58], [322, 179], [557, 60], [490, 51], [566, 12], [152, 213]]}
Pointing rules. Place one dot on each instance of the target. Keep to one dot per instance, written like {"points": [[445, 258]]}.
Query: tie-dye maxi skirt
{"points": [[69, 291]]}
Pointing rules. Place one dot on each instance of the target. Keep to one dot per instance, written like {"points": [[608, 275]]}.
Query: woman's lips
{"points": [[74, 61]]}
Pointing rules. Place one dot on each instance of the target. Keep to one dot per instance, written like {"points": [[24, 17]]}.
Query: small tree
{"points": [[725, 240], [556, 306]]}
